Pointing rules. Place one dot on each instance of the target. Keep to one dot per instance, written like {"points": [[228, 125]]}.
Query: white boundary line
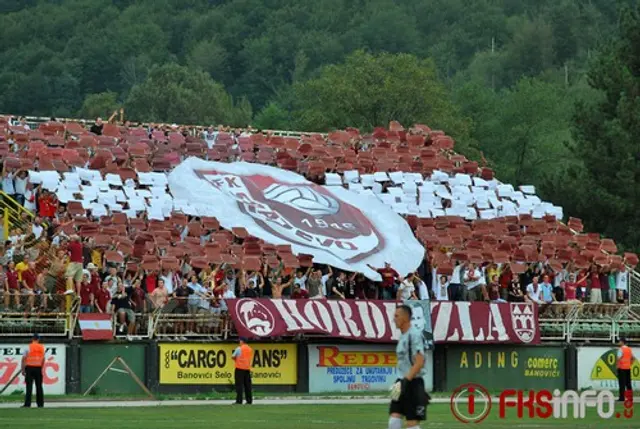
{"points": [[223, 402]]}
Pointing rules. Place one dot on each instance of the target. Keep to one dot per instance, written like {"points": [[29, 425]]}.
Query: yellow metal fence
{"points": [[14, 214]]}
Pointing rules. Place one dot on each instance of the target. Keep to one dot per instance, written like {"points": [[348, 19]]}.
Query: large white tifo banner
{"points": [[54, 372], [336, 226], [597, 369]]}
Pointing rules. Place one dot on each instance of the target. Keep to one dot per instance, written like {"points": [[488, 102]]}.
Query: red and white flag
{"points": [[95, 326]]}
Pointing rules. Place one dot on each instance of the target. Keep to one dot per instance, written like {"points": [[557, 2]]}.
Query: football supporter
{"points": [[74, 268], [389, 278], [103, 298], [122, 307], [298, 292], [87, 293]]}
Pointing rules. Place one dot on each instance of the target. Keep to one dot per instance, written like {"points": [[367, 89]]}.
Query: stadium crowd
{"points": [[61, 252]]}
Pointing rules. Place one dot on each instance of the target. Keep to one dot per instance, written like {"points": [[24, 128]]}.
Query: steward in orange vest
{"points": [[32, 367], [625, 360], [243, 357]]}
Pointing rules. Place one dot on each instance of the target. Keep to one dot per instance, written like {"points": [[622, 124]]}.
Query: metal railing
{"points": [[35, 121], [634, 288], [18, 324], [15, 215]]}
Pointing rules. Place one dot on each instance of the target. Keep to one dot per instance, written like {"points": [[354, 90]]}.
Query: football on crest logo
{"points": [[302, 214]]}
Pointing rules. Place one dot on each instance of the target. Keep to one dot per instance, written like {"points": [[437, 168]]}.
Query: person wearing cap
{"points": [[32, 368], [243, 356], [625, 360], [94, 277]]}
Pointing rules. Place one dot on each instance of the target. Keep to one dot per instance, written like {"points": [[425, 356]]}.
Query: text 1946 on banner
{"points": [[212, 364], [452, 322], [54, 374]]}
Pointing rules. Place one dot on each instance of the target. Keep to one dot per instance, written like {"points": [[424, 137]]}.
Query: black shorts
{"points": [[413, 401]]}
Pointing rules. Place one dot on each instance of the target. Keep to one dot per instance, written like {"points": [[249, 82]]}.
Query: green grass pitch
{"points": [[271, 417]]}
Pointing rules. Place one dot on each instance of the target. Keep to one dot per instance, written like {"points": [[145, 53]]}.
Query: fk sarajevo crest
{"points": [[523, 321], [302, 214]]}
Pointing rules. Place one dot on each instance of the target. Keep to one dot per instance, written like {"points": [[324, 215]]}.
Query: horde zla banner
{"points": [[452, 322]]}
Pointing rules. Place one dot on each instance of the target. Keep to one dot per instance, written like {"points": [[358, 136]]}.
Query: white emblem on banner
{"points": [[523, 321], [255, 317]]}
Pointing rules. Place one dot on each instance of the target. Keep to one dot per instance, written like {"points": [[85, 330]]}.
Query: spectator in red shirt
{"points": [[74, 269], [506, 277], [29, 278], [138, 298], [102, 298], [87, 294], [47, 205], [389, 277], [11, 285], [150, 281], [299, 293], [581, 282], [570, 288]]}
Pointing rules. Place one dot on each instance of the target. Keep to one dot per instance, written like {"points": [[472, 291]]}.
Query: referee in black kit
{"points": [[408, 396]]}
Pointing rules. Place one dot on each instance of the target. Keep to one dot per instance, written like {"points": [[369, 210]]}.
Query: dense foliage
{"points": [[503, 77]]}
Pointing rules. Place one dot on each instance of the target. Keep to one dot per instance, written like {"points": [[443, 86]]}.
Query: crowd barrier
{"points": [[307, 367]]}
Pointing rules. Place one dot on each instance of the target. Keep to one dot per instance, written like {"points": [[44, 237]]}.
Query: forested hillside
{"points": [[502, 76]]}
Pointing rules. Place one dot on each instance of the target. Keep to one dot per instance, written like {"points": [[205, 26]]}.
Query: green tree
{"points": [[173, 93], [605, 191], [522, 131], [211, 57], [272, 117], [530, 50], [102, 104], [368, 90]]}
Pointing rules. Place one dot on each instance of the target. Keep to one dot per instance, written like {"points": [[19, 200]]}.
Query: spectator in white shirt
{"points": [[325, 279], [227, 293], [30, 198], [622, 283], [301, 278], [7, 183], [407, 290], [167, 276], [441, 288], [534, 291], [473, 282], [421, 288], [457, 291], [20, 186], [36, 227]]}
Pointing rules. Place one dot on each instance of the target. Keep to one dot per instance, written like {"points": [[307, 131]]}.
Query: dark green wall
{"points": [[94, 358], [506, 367]]}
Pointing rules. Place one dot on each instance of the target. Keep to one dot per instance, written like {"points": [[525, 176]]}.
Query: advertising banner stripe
{"points": [[197, 364], [54, 370], [354, 368]]}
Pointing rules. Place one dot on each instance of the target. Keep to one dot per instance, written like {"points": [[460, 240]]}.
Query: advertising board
{"points": [[352, 368], [506, 367], [54, 377], [275, 364], [597, 369]]}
